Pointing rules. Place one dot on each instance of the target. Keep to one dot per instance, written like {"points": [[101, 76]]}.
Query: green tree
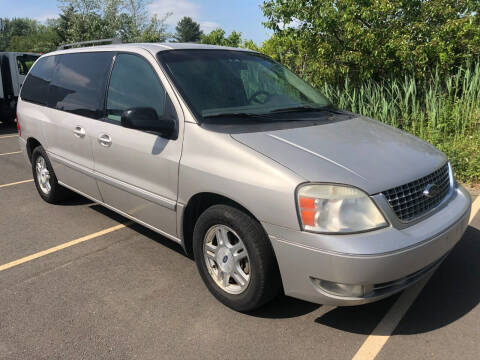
{"points": [[290, 52], [83, 20], [16, 27], [214, 37], [372, 39], [234, 39], [188, 30], [250, 44], [217, 37], [156, 31], [43, 40], [65, 23]]}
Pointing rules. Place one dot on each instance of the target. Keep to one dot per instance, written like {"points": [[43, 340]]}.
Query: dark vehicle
{"points": [[14, 66]]}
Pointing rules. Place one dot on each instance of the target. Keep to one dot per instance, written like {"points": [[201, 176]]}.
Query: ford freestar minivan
{"points": [[245, 165]]}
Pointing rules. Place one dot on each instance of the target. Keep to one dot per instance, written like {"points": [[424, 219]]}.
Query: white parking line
{"points": [[7, 136], [62, 246], [475, 209], [384, 329], [16, 183], [380, 335], [11, 153]]}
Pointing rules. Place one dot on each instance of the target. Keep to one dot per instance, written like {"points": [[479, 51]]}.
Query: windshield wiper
{"points": [[270, 116], [305, 108], [250, 116], [226, 114]]}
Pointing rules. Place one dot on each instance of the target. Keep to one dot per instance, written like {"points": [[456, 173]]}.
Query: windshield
{"points": [[226, 82]]}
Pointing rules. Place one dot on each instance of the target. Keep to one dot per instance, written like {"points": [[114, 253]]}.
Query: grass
{"points": [[444, 111]]}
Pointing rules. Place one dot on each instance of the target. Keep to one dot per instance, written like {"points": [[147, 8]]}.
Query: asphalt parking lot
{"points": [[129, 293]]}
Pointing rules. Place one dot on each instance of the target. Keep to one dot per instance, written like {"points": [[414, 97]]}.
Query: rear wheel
{"points": [[235, 258], [45, 180]]}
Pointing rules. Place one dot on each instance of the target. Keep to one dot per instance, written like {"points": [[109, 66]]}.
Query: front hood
{"points": [[357, 151]]}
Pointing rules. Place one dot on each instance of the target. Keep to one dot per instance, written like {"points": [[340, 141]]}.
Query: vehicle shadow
{"points": [[452, 292], [284, 307], [7, 129], [162, 240], [281, 307], [76, 199]]}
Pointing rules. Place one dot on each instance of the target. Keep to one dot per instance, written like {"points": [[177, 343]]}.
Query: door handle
{"points": [[79, 132], [105, 140]]}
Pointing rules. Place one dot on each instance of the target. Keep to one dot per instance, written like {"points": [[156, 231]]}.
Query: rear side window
{"points": [[78, 85], [36, 86], [134, 84]]}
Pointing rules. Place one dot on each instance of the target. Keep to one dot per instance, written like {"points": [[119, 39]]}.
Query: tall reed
{"points": [[442, 110], [448, 106]]}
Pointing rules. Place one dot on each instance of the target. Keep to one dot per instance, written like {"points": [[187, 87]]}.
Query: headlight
{"points": [[337, 209]]}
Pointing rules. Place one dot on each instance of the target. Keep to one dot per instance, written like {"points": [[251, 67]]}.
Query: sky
{"points": [[244, 16]]}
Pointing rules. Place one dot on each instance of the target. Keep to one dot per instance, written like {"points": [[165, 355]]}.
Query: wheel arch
{"points": [[196, 205], [32, 143]]}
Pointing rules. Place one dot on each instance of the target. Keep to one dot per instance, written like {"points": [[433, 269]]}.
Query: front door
{"points": [[137, 171]]}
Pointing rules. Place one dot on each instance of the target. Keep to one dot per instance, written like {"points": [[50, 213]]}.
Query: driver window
{"points": [[134, 84]]}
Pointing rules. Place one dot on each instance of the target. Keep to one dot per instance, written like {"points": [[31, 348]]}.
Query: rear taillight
{"points": [[18, 126]]}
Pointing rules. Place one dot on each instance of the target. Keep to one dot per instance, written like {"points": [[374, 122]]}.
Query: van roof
{"points": [[152, 47]]}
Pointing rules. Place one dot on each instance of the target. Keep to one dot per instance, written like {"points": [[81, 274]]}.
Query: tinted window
{"points": [[35, 87], [134, 84], [78, 85], [217, 82]]}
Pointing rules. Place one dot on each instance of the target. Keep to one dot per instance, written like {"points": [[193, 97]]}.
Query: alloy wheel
{"points": [[43, 175], [226, 258]]}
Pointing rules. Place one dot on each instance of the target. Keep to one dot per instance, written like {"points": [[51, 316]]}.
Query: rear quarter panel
{"points": [[31, 117]]}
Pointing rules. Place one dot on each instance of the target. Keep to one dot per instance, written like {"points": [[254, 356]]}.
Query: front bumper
{"points": [[385, 261]]}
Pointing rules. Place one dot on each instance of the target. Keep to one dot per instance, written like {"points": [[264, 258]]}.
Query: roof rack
{"points": [[90, 42]]}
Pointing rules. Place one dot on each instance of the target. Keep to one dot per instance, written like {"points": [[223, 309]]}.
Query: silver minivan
{"points": [[254, 172]]}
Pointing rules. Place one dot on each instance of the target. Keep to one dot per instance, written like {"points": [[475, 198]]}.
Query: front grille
{"points": [[409, 202]]}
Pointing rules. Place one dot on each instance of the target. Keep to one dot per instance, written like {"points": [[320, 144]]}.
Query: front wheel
{"points": [[235, 258]]}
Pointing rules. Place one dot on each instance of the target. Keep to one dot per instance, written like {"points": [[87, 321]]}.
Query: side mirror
{"points": [[146, 118]]}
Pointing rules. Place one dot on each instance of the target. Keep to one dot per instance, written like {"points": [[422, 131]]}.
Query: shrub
{"points": [[442, 110]]}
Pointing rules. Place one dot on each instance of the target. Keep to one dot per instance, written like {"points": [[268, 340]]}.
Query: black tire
{"points": [[265, 282], [57, 193]]}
